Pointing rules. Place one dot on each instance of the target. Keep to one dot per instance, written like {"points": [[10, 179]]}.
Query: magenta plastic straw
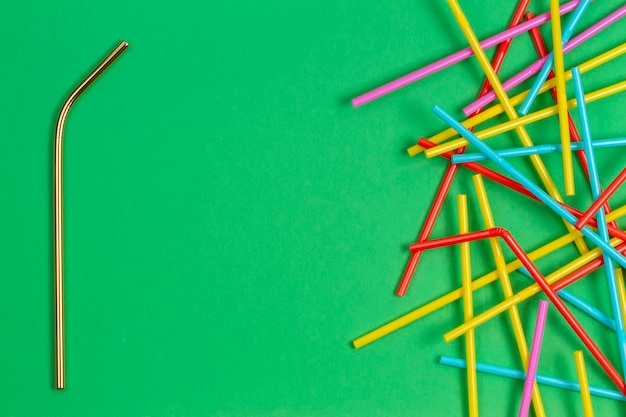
{"points": [[458, 56], [533, 360], [536, 67]]}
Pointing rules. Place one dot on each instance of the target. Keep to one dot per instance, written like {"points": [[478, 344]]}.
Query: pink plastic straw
{"points": [[533, 360], [457, 57], [536, 67]]}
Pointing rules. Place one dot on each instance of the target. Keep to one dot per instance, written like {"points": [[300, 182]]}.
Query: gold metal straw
{"points": [[58, 209]]}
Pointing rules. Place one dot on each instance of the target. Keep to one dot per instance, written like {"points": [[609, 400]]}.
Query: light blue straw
{"points": [[529, 185], [547, 66], [535, 150], [602, 227], [580, 304], [541, 379]]}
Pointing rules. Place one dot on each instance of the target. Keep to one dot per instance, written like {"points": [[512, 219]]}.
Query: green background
{"points": [[232, 223]]}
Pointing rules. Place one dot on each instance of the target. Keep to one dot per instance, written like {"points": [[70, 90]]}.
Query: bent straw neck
{"points": [[82, 87]]}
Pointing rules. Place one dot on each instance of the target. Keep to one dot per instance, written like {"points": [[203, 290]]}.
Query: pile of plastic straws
{"points": [[593, 229]]}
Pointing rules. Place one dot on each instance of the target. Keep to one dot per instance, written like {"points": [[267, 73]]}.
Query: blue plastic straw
{"points": [[541, 379], [529, 185], [602, 227], [547, 66], [537, 149], [580, 304]]}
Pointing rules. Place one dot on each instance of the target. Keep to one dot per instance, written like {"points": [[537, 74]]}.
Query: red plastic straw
{"points": [[543, 284], [542, 51], [427, 228], [513, 185], [602, 198], [451, 171]]}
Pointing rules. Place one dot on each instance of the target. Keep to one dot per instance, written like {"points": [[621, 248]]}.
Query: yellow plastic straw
{"points": [[584, 383], [507, 289], [486, 279], [561, 93], [538, 164], [527, 292], [621, 289], [498, 109], [528, 119], [468, 309]]}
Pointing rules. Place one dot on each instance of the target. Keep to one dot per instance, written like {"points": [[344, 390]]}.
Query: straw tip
{"points": [[413, 150], [356, 102], [123, 45]]}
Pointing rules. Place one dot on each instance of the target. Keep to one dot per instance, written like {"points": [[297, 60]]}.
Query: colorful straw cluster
{"points": [[597, 222]]}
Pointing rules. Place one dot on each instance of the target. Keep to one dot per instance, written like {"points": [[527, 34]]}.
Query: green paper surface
{"points": [[232, 223]]}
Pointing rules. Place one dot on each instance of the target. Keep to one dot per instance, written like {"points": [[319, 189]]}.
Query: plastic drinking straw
{"points": [[507, 289], [528, 119], [457, 57], [503, 275], [540, 46], [468, 308], [533, 68], [602, 198], [427, 228], [594, 181], [542, 379], [558, 42], [534, 358], [542, 51], [576, 267], [559, 279], [581, 370], [561, 102], [503, 48], [497, 109], [529, 185], [451, 170], [578, 302], [541, 149], [536, 161], [513, 185], [541, 282], [621, 289]]}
